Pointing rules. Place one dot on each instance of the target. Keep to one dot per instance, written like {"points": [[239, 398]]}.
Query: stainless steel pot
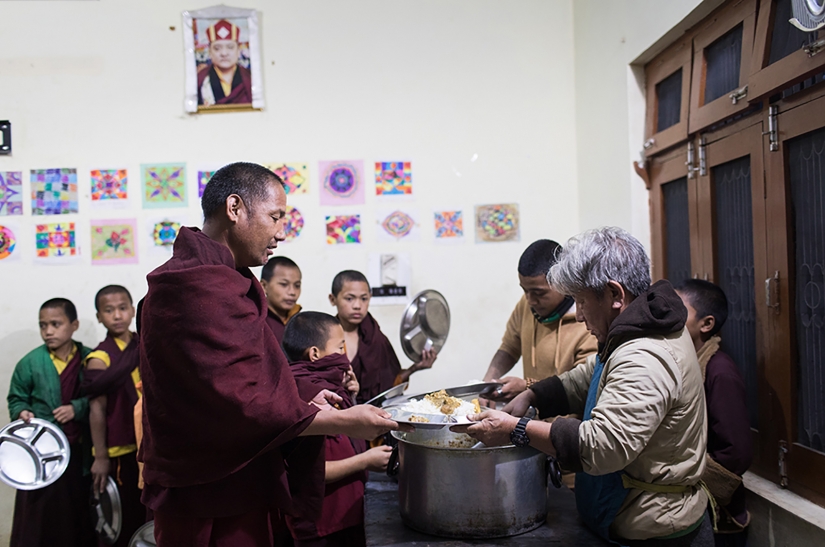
{"points": [[468, 492]]}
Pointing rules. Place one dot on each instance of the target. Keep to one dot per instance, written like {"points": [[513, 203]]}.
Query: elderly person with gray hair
{"points": [[639, 451]]}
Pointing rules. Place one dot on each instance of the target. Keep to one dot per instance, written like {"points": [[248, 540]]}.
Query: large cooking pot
{"points": [[446, 488]]}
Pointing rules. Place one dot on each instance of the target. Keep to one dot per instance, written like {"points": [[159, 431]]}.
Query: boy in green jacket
{"points": [[46, 385]]}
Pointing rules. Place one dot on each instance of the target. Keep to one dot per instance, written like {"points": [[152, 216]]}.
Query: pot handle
{"points": [[553, 471], [394, 464]]}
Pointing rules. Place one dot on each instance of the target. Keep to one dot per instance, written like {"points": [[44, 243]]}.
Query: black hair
{"points": [[347, 276], [63, 303], [707, 299], [252, 182], [269, 268], [538, 258], [111, 289], [307, 329]]}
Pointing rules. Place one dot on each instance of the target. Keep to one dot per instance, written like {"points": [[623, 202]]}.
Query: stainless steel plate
{"points": [[32, 455], [386, 397], [425, 324], [144, 536], [437, 421], [107, 513], [467, 393]]}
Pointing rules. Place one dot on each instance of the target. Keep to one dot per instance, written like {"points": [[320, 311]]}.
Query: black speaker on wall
{"points": [[5, 137]]}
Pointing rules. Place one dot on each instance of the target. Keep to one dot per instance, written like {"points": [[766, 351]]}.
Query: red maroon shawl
{"points": [[220, 403], [116, 383], [241, 86], [70, 389], [375, 365], [344, 500]]}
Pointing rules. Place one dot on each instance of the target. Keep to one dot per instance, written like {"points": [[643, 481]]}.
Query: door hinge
{"points": [[691, 160], [772, 292], [783, 465], [773, 132], [813, 49], [739, 94], [703, 157]]}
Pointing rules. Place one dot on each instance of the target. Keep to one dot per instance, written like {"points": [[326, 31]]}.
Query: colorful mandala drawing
{"points": [[203, 178], [398, 224], [495, 223], [393, 178], [293, 223], [294, 175], [165, 232], [449, 224], [54, 191], [55, 240], [11, 193], [109, 184], [164, 185], [113, 242], [7, 242], [341, 182], [343, 229]]}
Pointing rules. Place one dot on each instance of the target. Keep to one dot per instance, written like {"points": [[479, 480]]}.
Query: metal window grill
{"points": [[677, 229], [723, 60], [669, 101]]}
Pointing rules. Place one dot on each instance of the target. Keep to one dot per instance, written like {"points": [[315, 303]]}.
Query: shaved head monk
{"points": [[222, 415]]}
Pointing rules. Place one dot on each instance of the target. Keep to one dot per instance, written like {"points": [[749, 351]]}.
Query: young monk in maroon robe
{"points": [[46, 385], [111, 378], [281, 280], [222, 417], [373, 357], [314, 345]]}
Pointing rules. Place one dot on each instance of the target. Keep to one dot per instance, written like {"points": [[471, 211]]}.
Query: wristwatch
{"points": [[519, 436]]}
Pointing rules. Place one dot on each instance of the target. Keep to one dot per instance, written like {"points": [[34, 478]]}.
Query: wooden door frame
{"points": [[805, 467], [679, 54], [767, 79]]}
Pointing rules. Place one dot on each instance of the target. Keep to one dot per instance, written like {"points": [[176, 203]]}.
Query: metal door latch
{"points": [[772, 292], [773, 132], [691, 159], [783, 472], [703, 157], [739, 94], [813, 49]]}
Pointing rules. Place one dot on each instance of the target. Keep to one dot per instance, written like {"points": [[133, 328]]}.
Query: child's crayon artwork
{"points": [[341, 182], [164, 185], [203, 178], [8, 243], [293, 223], [11, 193], [294, 175], [397, 225], [109, 185], [114, 242], [393, 178], [343, 229], [165, 232], [449, 225], [497, 223], [55, 240], [54, 191]]}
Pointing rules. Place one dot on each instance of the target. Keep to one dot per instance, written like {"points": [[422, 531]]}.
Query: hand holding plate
{"points": [[492, 427]]}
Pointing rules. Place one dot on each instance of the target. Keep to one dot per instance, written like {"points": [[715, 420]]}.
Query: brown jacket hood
{"points": [[657, 311]]}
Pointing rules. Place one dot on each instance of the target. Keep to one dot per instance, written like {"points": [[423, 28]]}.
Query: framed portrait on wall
{"points": [[223, 60]]}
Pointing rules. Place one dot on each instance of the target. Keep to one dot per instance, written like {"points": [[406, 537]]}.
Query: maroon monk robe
{"points": [[276, 326], [375, 365], [343, 500], [221, 404], [58, 514], [241, 86]]}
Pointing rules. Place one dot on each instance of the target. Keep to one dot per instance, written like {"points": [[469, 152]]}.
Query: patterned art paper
{"points": [[449, 225], [498, 222], [342, 229], [203, 178], [8, 244], [294, 175], [397, 225], [164, 185], [293, 223], [11, 193], [54, 191], [164, 233], [55, 240], [393, 179], [114, 242], [341, 182], [109, 185]]}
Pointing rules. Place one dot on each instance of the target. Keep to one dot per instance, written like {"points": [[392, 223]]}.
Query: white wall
{"points": [[100, 85]]}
